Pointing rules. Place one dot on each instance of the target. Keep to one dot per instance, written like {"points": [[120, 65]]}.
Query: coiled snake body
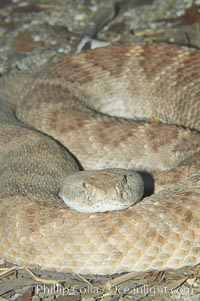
{"points": [[87, 103]]}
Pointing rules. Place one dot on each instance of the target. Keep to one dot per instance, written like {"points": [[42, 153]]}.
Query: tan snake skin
{"points": [[133, 82]]}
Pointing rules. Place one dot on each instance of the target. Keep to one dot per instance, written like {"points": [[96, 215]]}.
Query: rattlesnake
{"points": [[87, 102]]}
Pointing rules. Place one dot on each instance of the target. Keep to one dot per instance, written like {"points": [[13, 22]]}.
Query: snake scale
{"points": [[82, 109]]}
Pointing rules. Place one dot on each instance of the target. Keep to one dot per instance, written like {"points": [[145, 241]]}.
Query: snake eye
{"points": [[84, 185]]}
